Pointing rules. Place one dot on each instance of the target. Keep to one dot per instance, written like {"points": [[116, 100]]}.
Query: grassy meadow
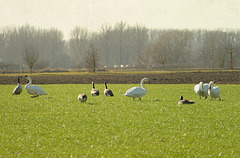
{"points": [[58, 125]]}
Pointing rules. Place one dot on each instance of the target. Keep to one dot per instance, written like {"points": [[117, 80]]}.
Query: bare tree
{"points": [[106, 32], [30, 57], [210, 46], [149, 58], [120, 28], [79, 39], [92, 58]]}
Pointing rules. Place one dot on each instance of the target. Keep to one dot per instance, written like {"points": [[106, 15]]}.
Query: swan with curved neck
{"points": [[34, 90], [18, 89], [214, 92], [137, 92], [201, 90]]}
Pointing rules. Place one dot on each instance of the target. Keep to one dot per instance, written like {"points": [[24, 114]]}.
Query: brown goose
{"points": [[94, 92], [185, 101], [82, 97], [18, 89], [107, 91]]}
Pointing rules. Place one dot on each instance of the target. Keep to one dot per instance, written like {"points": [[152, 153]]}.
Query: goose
{"points": [[18, 90], [185, 101], [94, 92], [34, 90], [82, 97], [201, 90], [137, 92], [107, 91], [214, 92]]}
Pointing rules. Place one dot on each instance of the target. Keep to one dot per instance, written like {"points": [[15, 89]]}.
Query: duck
{"points": [[18, 90], [214, 92], [137, 92], [185, 101], [201, 90], [94, 91], [82, 97], [107, 91], [33, 89]]}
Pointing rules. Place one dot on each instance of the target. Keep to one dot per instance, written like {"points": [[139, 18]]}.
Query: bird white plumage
{"points": [[18, 90], [201, 90], [82, 97], [33, 89], [214, 92], [137, 92]]}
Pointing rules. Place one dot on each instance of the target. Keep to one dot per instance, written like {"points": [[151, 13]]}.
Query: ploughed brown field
{"points": [[220, 77]]}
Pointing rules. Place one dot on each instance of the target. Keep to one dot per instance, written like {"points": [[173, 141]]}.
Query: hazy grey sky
{"points": [[91, 14]]}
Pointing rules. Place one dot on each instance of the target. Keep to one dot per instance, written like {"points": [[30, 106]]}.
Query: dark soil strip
{"points": [[163, 78]]}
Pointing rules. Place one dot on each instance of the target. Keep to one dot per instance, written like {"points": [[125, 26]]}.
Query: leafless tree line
{"points": [[121, 44]]}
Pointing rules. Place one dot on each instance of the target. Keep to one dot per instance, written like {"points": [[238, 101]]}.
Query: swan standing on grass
{"points": [[107, 91], [214, 92], [34, 90], [185, 101], [94, 92], [137, 92], [18, 89], [82, 97], [201, 90]]}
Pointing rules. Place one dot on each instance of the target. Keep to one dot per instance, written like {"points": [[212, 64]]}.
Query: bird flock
{"points": [[202, 90]]}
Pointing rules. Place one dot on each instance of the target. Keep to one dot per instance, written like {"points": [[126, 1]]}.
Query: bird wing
{"points": [[135, 92], [108, 92], [205, 89], [17, 90], [95, 92], [36, 90], [196, 88]]}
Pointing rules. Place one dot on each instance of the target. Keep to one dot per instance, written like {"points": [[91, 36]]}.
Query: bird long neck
{"points": [[106, 85], [93, 86], [143, 85], [30, 81], [201, 86], [18, 80]]}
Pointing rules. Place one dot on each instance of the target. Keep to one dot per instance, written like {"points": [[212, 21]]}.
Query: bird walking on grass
{"points": [[137, 92]]}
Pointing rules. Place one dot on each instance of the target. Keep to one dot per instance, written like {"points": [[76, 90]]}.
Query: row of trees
{"points": [[119, 45]]}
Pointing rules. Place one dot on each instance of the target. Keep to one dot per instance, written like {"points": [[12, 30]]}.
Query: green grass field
{"points": [[58, 125]]}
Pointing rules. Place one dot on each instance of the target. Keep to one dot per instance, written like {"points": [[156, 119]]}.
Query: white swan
{"points": [[201, 90], [34, 90], [214, 92], [137, 92], [94, 91], [107, 91], [82, 97], [17, 90]]}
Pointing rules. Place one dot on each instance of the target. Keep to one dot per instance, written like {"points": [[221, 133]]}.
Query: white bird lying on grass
{"points": [[214, 92], [137, 92], [82, 97], [201, 90], [18, 89], [34, 90]]}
